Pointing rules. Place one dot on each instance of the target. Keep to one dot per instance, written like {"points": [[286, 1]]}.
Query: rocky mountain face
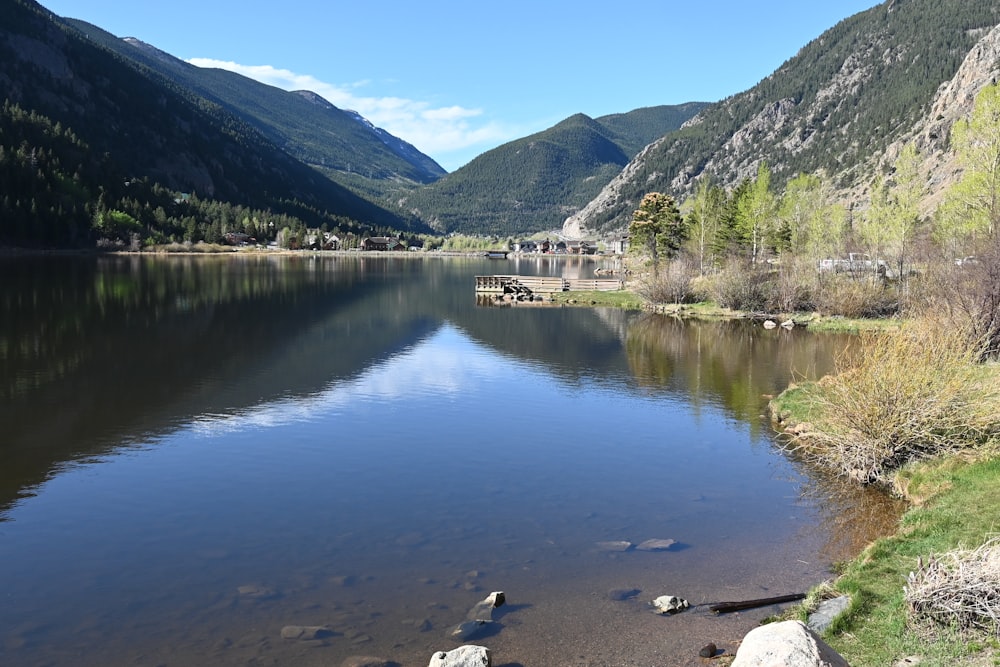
{"points": [[843, 107], [954, 100]]}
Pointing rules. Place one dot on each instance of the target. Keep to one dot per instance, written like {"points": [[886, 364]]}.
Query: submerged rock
{"points": [[463, 656], [470, 630], [306, 632], [619, 594], [656, 545], [615, 545], [365, 661]]}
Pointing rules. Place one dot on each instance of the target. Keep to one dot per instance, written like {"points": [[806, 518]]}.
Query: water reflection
{"points": [[354, 434]]}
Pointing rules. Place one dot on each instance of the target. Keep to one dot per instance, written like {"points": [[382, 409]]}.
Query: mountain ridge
{"points": [[320, 135], [530, 184], [834, 108]]}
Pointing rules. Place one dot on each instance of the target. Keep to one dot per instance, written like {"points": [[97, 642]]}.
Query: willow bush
{"points": [[903, 395]]}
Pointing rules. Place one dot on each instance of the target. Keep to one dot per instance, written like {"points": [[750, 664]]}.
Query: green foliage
{"points": [[657, 227], [972, 207], [756, 209], [811, 223]]}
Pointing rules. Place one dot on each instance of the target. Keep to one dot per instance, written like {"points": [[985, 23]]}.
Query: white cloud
{"points": [[433, 130]]}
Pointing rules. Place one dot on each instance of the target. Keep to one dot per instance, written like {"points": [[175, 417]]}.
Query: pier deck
{"points": [[543, 284]]}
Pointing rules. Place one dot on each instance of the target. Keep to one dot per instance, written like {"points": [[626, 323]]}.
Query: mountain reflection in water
{"points": [[357, 442]]}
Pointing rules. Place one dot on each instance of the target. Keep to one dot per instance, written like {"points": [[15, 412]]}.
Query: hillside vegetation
{"points": [[532, 184]]}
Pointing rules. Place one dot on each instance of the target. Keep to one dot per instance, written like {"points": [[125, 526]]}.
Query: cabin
{"points": [[382, 243], [581, 247], [238, 238]]}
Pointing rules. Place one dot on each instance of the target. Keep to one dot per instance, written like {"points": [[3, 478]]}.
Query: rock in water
{"points": [[483, 610], [656, 545], [619, 545], [670, 604], [463, 656]]}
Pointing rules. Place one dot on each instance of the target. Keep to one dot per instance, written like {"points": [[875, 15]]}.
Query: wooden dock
{"points": [[528, 285]]}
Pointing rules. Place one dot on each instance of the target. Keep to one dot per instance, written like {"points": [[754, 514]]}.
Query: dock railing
{"points": [[544, 284]]}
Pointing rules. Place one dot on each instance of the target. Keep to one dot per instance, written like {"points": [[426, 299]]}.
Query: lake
{"points": [[197, 452]]}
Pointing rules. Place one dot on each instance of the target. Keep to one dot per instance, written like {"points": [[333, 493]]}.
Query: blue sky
{"points": [[457, 78]]}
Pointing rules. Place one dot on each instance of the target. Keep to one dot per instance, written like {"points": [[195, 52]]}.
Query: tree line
{"points": [[56, 192]]}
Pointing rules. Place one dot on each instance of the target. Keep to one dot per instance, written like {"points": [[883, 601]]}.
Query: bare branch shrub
{"points": [[960, 589], [855, 297], [904, 395], [794, 286], [968, 294], [670, 283], [742, 286]]}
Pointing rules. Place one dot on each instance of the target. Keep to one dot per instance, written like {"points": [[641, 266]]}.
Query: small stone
{"points": [[656, 545], [826, 612], [463, 656], [361, 639], [770, 324], [619, 545], [788, 324], [708, 650], [670, 604], [483, 610]]}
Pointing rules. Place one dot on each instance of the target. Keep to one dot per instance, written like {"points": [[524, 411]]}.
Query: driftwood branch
{"points": [[725, 607]]}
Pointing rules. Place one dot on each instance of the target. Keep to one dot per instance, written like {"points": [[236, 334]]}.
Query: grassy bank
{"points": [[956, 506], [914, 392]]}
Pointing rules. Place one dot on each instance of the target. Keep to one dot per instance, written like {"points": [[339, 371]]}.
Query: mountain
{"points": [[86, 132], [533, 183], [836, 107], [341, 143]]}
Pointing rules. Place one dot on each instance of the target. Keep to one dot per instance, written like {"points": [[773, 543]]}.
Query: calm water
{"points": [[196, 452]]}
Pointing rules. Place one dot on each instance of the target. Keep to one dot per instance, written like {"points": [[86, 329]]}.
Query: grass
{"points": [[615, 299], [954, 505], [960, 509]]}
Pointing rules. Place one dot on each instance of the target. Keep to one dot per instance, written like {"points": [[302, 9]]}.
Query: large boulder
{"points": [[786, 644], [463, 656]]}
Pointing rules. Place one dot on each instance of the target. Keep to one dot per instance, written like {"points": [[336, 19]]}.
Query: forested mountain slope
{"points": [[833, 108], [533, 183], [341, 143], [87, 133]]}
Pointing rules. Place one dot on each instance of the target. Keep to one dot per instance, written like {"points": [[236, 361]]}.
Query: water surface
{"points": [[197, 452]]}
